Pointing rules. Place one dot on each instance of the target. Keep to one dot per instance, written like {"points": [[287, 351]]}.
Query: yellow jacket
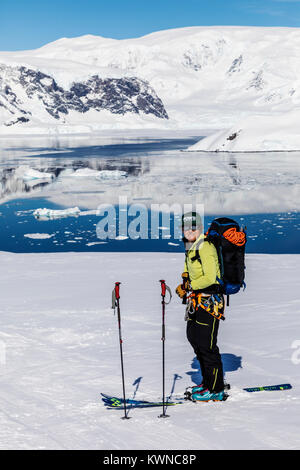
{"points": [[202, 274]]}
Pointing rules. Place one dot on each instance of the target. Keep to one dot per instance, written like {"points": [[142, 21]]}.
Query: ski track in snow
{"points": [[62, 351]]}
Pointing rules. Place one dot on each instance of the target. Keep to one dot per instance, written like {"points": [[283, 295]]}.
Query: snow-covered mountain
{"points": [[26, 93], [197, 77]]}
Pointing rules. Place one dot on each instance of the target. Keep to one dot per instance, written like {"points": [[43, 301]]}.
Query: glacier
{"points": [[258, 133]]}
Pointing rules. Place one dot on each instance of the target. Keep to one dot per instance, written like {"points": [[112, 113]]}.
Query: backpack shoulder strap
{"points": [[197, 247]]}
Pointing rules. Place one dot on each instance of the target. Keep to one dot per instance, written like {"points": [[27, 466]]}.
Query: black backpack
{"points": [[230, 241]]}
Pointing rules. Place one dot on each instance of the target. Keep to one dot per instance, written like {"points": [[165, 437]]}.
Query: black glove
{"points": [[184, 287], [186, 281]]}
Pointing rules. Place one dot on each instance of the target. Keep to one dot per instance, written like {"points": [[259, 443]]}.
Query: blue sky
{"points": [[28, 24]]}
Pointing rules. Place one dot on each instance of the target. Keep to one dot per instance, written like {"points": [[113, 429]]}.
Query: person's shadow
{"points": [[230, 362]]}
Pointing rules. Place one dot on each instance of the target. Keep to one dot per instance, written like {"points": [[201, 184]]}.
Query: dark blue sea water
{"points": [[266, 233]]}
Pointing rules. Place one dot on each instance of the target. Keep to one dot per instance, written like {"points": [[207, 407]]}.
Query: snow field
{"points": [[260, 133], [61, 349]]}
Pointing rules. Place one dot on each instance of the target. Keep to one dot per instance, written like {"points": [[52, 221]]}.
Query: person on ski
{"points": [[200, 289]]}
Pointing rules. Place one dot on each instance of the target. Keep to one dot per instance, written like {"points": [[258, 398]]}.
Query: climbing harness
{"points": [[213, 304]]}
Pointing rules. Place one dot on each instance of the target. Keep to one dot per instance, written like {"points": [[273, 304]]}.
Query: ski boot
{"points": [[198, 389], [206, 395], [189, 390]]}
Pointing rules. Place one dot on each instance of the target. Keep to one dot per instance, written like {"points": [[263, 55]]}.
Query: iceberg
{"points": [[110, 174], [45, 214], [38, 236], [32, 174], [90, 173]]}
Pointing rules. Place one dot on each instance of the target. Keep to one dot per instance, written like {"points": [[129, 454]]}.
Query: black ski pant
{"points": [[202, 333]]}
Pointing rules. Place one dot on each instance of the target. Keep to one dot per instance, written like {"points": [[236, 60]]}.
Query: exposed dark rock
{"points": [[20, 119], [117, 95], [236, 65], [232, 136], [257, 82]]}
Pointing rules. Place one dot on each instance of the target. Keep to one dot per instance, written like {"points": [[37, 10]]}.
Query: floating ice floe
{"points": [[95, 243], [84, 173], [110, 174], [90, 173], [56, 214], [32, 174], [39, 236]]}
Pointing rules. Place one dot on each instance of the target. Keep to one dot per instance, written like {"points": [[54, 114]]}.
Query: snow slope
{"points": [[206, 77], [60, 339], [257, 133]]}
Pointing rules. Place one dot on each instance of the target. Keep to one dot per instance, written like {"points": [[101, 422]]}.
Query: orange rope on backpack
{"points": [[237, 238]]}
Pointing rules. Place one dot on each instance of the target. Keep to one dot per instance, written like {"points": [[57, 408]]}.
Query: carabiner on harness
{"points": [[213, 304], [190, 307]]}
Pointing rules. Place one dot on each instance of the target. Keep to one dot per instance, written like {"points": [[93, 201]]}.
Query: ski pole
{"points": [[164, 288], [116, 303]]}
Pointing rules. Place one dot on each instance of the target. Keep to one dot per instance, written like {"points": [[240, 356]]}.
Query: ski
{"points": [[118, 403], [265, 388], [270, 388]]}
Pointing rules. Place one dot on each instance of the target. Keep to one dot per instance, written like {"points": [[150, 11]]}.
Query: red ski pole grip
{"points": [[117, 290], [163, 287]]}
